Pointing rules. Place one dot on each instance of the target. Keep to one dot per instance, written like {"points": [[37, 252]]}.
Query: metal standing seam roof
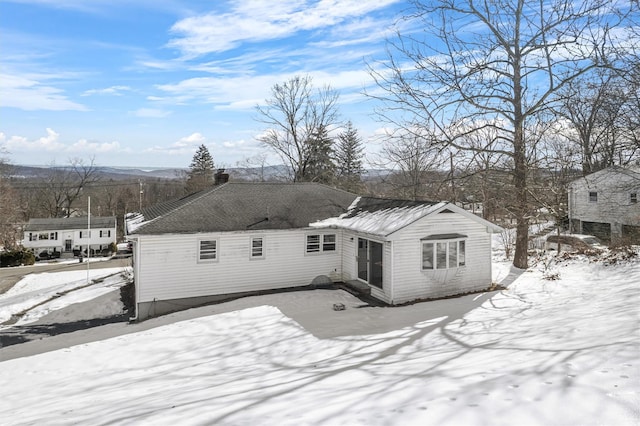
{"points": [[242, 206], [53, 224]]}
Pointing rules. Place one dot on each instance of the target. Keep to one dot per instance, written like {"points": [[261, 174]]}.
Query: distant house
{"points": [[605, 204], [69, 235], [242, 238]]}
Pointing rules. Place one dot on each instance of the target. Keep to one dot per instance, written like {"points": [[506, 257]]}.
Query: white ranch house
{"points": [[605, 204], [243, 238], [66, 235]]}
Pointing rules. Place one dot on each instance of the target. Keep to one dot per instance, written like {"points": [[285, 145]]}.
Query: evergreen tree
{"points": [[200, 175], [319, 166], [348, 155]]}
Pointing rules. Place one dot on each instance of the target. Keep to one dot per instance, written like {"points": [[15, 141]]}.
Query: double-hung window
{"points": [[257, 248], [593, 197], [443, 251], [207, 250], [317, 243], [329, 242]]}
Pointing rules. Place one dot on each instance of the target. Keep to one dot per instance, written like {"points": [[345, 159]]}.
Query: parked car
{"points": [[572, 242], [47, 255]]}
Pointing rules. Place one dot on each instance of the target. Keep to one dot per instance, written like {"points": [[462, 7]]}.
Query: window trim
{"points": [[215, 253], [331, 244], [444, 241], [252, 255], [322, 245]]}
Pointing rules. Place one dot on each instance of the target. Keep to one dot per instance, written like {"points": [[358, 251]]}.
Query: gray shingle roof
{"points": [[240, 206], [52, 224]]}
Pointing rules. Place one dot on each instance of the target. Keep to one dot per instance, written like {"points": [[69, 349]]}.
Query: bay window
{"points": [[443, 251]]}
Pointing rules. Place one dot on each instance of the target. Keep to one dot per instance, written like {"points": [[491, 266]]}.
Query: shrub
{"points": [[17, 258]]}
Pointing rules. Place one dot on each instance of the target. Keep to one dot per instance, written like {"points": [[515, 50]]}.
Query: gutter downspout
{"points": [[136, 264], [391, 291]]}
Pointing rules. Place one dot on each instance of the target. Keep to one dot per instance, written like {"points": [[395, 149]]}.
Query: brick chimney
{"points": [[220, 177]]}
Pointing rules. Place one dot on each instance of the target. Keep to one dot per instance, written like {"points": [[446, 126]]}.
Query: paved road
{"points": [[10, 276]]}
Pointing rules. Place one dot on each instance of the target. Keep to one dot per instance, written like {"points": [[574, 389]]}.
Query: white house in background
{"points": [[243, 238], [605, 204], [69, 235]]}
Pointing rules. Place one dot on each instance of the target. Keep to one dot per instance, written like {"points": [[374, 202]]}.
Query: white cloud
{"points": [[113, 90], [28, 93], [151, 113], [257, 20], [191, 140], [86, 146], [51, 143], [184, 145], [243, 93]]}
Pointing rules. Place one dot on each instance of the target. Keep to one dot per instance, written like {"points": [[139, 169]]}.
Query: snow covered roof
{"points": [[383, 217], [379, 216]]}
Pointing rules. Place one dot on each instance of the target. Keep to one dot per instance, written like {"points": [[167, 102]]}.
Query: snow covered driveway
{"points": [[541, 352]]}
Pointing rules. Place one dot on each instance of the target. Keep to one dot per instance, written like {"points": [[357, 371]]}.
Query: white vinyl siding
{"points": [[614, 202], [168, 260], [411, 281]]}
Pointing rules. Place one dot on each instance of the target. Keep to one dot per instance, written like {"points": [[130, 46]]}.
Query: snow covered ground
{"points": [[38, 294], [563, 351]]}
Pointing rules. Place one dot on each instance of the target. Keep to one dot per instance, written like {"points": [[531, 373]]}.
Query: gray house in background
{"points": [[69, 234], [605, 204], [243, 238]]}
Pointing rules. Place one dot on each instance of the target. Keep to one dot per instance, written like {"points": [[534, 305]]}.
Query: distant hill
{"points": [[115, 173], [132, 173]]}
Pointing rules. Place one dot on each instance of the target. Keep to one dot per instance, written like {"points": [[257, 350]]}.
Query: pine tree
{"points": [[348, 155], [319, 166], [200, 175]]}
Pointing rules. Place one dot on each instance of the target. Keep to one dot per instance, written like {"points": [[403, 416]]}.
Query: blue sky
{"points": [[144, 82]]}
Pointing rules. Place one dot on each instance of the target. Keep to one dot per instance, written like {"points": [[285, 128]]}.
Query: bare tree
{"points": [[412, 159], [254, 167], [599, 113], [495, 63], [295, 113], [9, 207], [63, 187]]}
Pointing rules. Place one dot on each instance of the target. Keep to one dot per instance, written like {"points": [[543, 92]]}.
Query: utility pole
{"points": [[141, 192], [88, 235]]}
